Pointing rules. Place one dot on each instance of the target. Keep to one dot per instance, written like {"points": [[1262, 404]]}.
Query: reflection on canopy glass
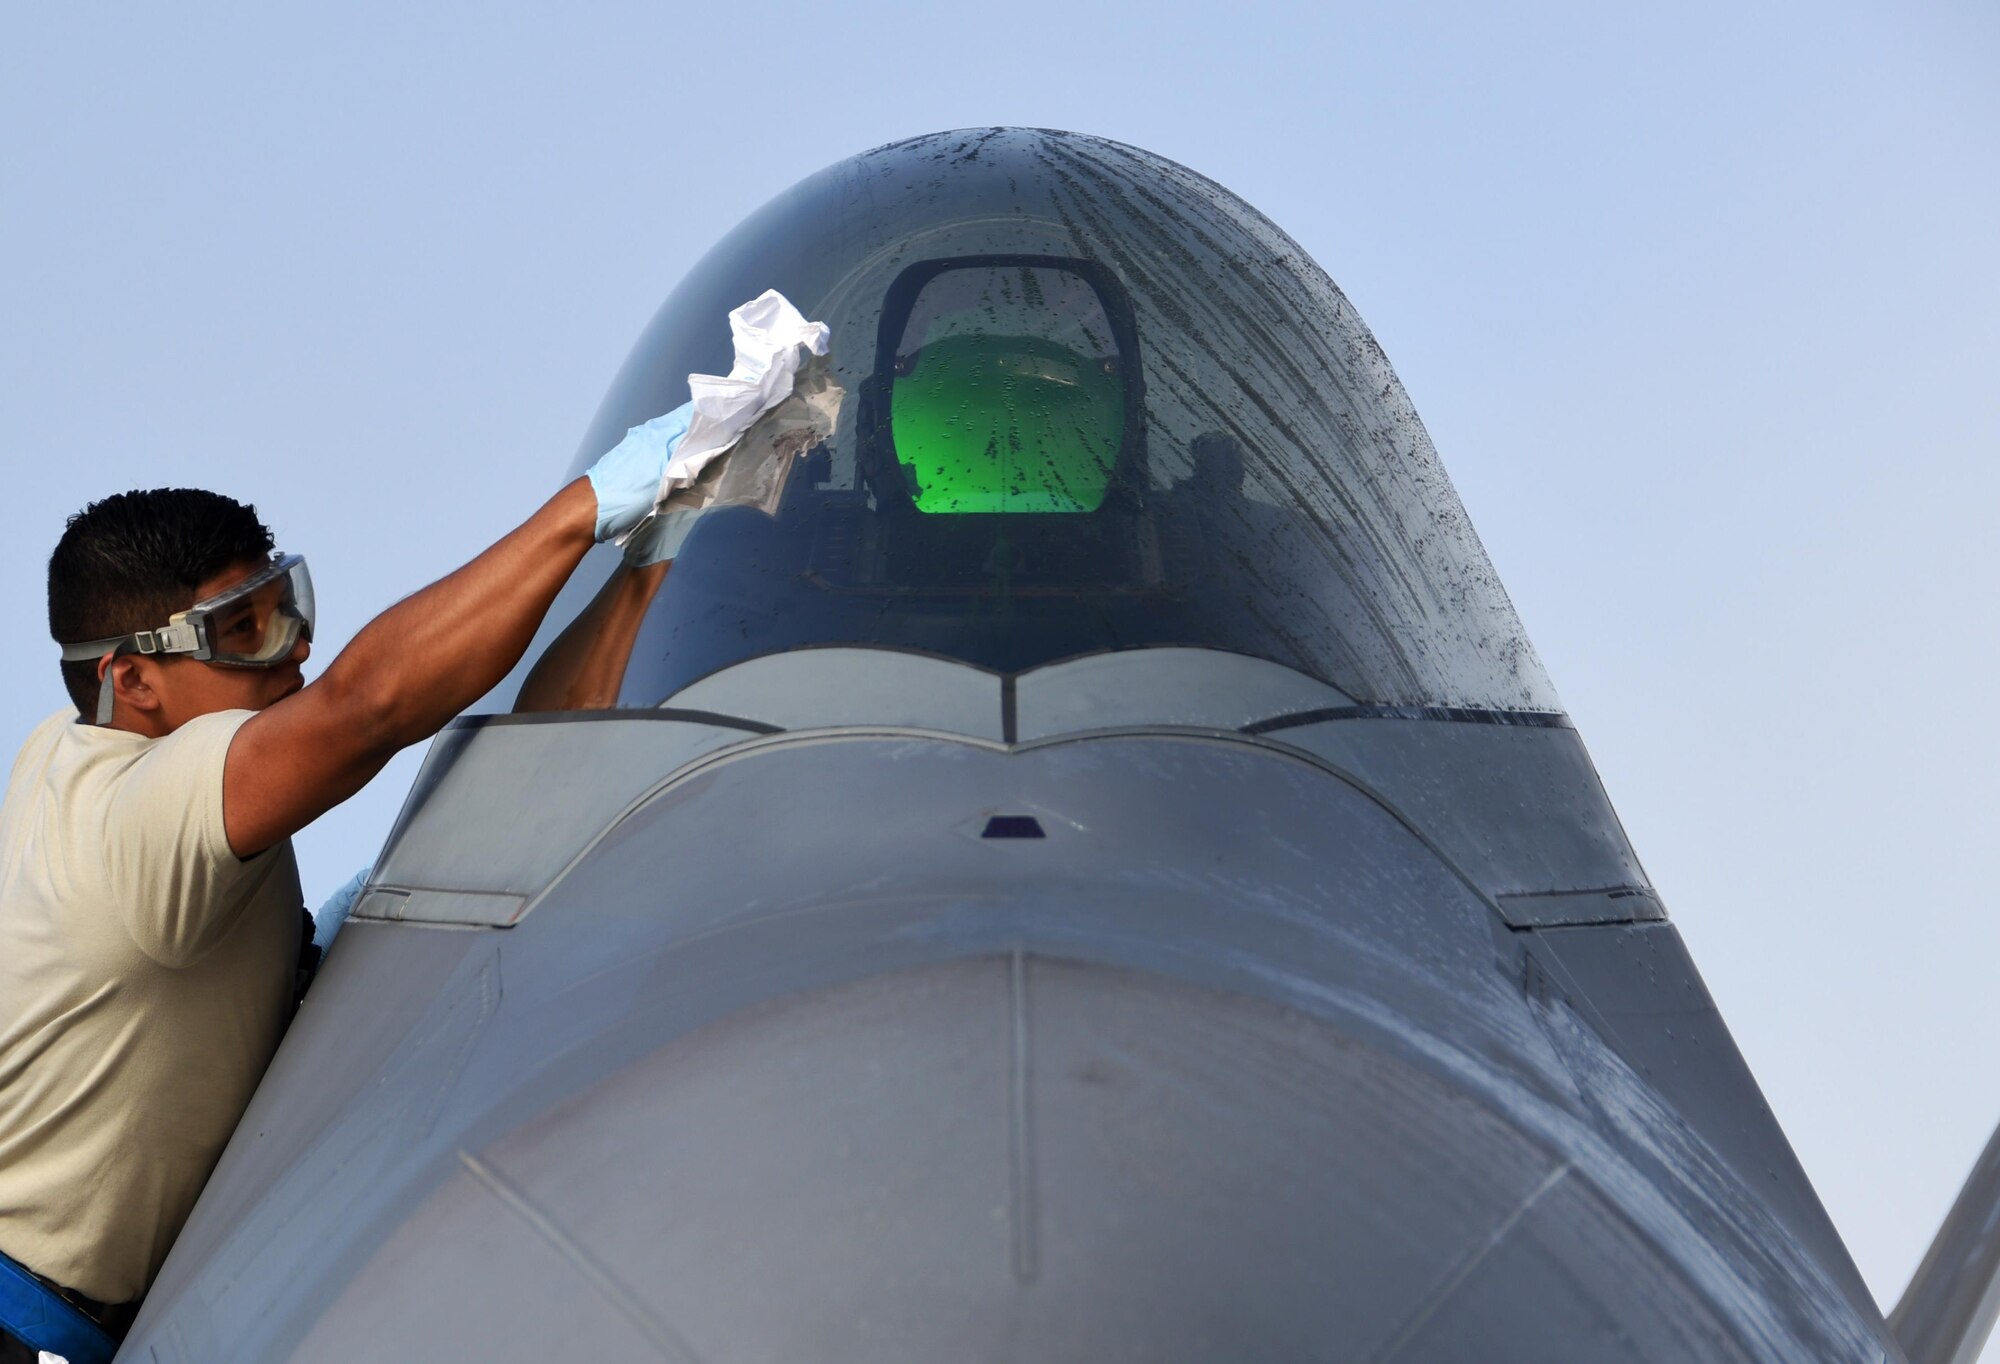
{"points": [[1006, 393]]}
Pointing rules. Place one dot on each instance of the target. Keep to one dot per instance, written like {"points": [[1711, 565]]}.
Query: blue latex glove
{"points": [[627, 479], [331, 915]]}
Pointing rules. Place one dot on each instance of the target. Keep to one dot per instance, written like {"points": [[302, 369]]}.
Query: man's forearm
{"points": [[434, 653]]}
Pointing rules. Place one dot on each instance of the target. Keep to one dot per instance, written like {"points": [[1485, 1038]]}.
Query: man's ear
{"points": [[131, 682]]}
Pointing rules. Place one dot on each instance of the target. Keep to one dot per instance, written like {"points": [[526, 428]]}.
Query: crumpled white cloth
{"points": [[755, 470], [771, 338]]}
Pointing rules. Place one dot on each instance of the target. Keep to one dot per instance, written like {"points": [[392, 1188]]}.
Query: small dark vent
{"points": [[1013, 826]]}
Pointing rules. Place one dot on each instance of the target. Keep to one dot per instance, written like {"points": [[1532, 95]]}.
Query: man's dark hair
{"points": [[129, 562]]}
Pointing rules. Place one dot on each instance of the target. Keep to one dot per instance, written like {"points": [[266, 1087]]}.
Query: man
{"points": [[150, 912]]}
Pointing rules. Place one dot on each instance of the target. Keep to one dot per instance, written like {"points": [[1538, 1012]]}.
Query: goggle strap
{"points": [[89, 651], [175, 637], [104, 685]]}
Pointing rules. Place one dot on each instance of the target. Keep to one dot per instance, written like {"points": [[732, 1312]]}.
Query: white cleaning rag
{"points": [[770, 336]]}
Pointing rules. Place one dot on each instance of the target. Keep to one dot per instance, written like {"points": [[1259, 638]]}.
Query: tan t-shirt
{"points": [[145, 979]]}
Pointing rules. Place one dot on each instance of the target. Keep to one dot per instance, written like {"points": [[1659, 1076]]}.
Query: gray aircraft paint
{"points": [[1330, 1015]]}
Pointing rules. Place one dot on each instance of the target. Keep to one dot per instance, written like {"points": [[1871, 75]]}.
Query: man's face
{"points": [[185, 687]]}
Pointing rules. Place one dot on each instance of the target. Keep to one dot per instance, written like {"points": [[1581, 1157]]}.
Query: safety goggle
{"points": [[255, 623]]}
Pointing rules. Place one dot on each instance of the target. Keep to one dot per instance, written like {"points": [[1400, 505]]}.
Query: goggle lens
{"points": [[258, 622]]}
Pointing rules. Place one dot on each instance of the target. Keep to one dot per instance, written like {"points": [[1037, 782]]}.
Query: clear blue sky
{"points": [[1701, 306]]}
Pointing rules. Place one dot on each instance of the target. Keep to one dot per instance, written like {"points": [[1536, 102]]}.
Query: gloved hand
{"points": [[627, 479], [334, 912]]}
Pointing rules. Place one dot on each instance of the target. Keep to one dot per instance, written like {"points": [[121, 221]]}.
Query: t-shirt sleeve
{"points": [[178, 884]]}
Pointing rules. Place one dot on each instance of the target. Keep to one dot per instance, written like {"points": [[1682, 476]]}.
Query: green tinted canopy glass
{"points": [[1008, 393]]}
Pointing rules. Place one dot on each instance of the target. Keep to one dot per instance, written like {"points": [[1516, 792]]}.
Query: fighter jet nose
{"points": [[1083, 864], [1016, 1158]]}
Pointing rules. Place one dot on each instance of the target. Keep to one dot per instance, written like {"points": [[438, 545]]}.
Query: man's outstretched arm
{"points": [[402, 678]]}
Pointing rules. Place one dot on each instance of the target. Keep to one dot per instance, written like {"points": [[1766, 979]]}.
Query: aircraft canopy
{"points": [[1092, 401]]}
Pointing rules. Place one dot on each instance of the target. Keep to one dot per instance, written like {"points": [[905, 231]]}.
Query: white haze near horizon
{"points": [[1700, 305]]}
